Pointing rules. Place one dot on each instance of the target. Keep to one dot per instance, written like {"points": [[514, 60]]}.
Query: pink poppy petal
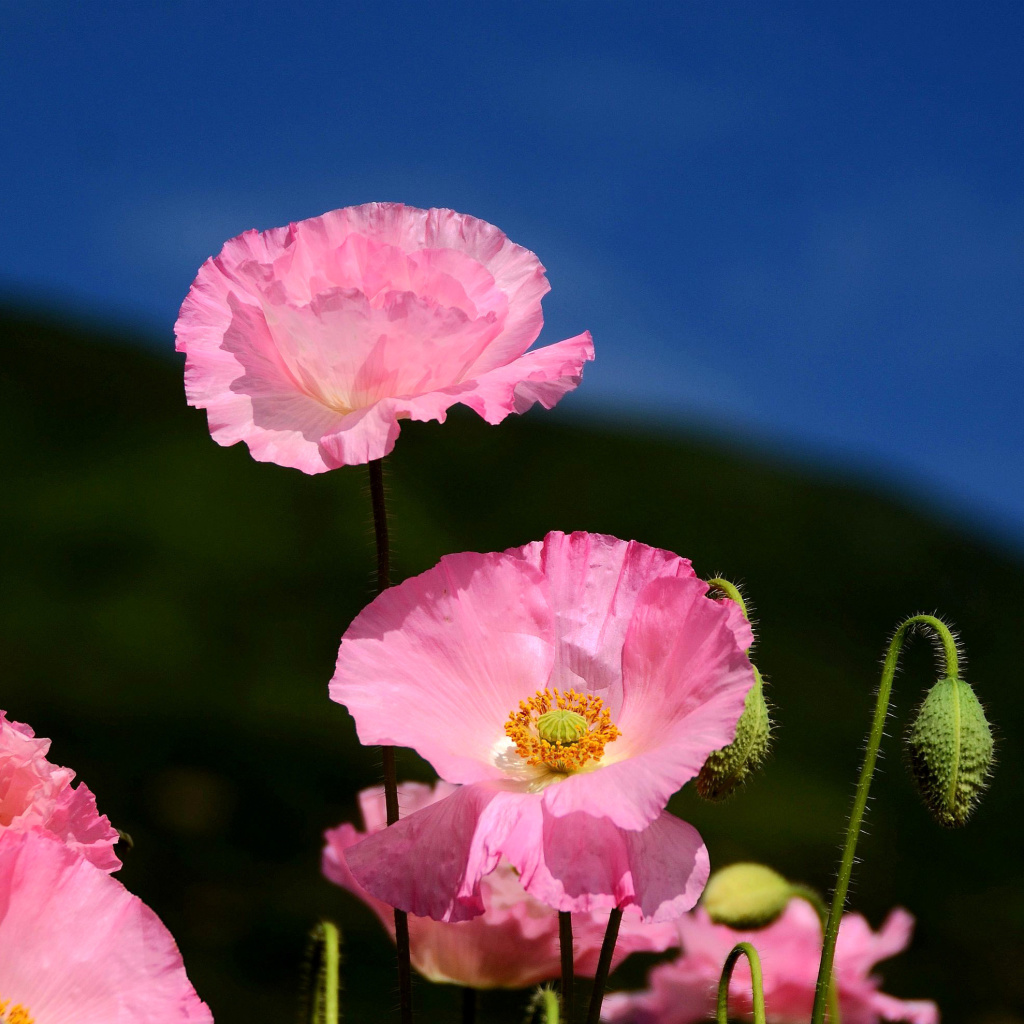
{"points": [[431, 863], [346, 323], [514, 942], [685, 679], [438, 662], [914, 1011], [594, 581], [581, 863], [117, 962]]}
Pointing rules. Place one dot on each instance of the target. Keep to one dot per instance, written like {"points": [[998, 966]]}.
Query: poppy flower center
{"points": [[565, 731], [17, 1014]]}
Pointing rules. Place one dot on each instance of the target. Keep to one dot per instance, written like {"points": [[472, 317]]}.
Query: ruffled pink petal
{"points": [[36, 795], [431, 863], [297, 336], [542, 375], [581, 863], [594, 581], [76, 821], [514, 942], [915, 1011], [438, 662], [77, 947], [685, 679]]}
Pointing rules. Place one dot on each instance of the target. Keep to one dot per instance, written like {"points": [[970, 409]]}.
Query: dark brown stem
{"points": [[469, 1002], [380, 530], [604, 965], [565, 943]]}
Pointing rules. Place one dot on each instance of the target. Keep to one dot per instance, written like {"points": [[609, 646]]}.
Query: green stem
{"points": [[731, 591], [604, 965], [757, 988], [325, 969], [380, 530], [867, 771], [565, 944], [549, 1000], [813, 897]]}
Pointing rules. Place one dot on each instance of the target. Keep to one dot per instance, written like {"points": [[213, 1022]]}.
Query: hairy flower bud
{"points": [[727, 769], [746, 896], [949, 749]]}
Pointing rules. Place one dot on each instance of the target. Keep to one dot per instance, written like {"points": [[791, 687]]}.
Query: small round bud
{"points": [[727, 769], [746, 896], [949, 748], [561, 726]]}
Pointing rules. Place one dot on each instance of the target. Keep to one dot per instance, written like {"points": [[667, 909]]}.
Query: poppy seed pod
{"points": [[746, 896], [949, 747], [727, 769]]}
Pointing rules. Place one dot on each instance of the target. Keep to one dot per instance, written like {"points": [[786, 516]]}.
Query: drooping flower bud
{"points": [[746, 896], [727, 769], [949, 748]]}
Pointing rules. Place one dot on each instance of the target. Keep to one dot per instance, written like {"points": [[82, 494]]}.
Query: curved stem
{"points": [[604, 965], [380, 530], [860, 801], [565, 945], [757, 988], [731, 591]]}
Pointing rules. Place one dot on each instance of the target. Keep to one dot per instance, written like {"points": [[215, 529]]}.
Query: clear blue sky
{"points": [[801, 222]]}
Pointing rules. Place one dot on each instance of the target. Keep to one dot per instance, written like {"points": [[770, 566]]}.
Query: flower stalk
{"points": [[951, 669], [380, 529], [604, 964], [757, 987], [565, 945], [324, 974]]}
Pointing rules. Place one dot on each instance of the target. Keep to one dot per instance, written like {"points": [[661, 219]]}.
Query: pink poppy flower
{"points": [[514, 942], [311, 342], [77, 947], [684, 991], [36, 795], [570, 687]]}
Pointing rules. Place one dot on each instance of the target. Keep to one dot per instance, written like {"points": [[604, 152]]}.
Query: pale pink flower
{"points": [[440, 663], [37, 796], [514, 942], [684, 991], [311, 342], [78, 948]]}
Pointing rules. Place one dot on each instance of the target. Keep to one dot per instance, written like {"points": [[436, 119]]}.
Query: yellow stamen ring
{"points": [[17, 1014], [563, 730]]}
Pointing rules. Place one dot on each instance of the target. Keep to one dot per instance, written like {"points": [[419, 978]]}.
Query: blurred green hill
{"points": [[170, 612]]}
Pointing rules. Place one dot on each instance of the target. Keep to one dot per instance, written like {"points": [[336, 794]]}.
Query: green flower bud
{"points": [[727, 769], [949, 748], [746, 896], [561, 726]]}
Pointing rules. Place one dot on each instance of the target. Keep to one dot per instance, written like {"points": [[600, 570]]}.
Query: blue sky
{"points": [[800, 223]]}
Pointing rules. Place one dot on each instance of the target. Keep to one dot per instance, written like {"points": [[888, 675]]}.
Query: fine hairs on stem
{"points": [[950, 668], [757, 988], [380, 530]]}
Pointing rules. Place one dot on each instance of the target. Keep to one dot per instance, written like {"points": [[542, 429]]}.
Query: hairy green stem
{"points": [[731, 591], [324, 974], [860, 801], [380, 530], [604, 965], [757, 988], [565, 945]]}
